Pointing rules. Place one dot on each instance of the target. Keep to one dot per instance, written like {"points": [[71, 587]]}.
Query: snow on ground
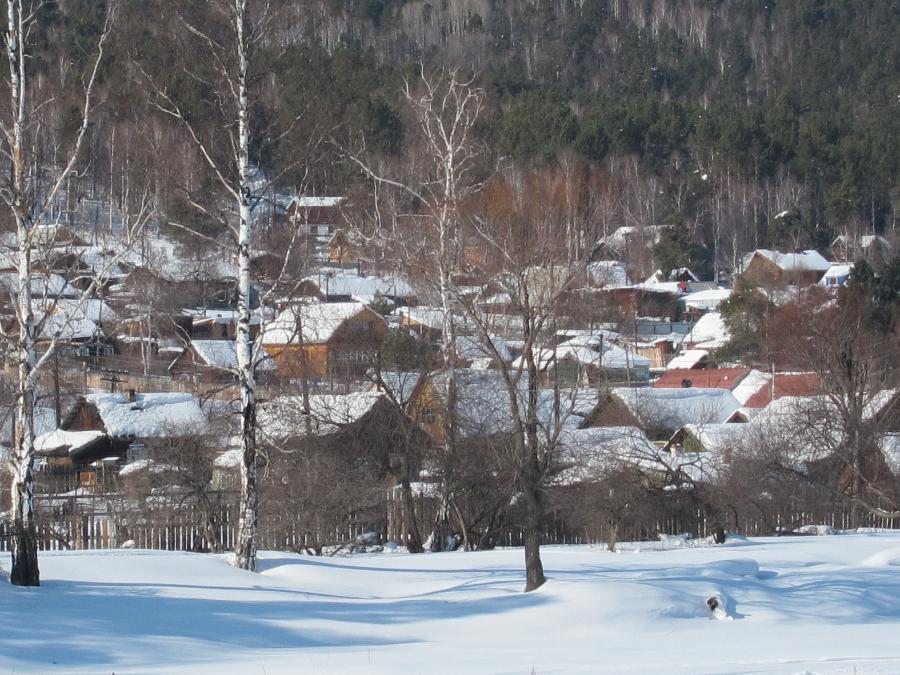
{"points": [[798, 605]]}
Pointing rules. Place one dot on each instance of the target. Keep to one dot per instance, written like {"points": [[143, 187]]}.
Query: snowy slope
{"points": [[799, 605]]}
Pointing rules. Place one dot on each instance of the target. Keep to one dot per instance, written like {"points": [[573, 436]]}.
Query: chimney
{"points": [[132, 396]]}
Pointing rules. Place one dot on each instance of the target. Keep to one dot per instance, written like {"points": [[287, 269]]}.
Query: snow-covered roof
{"points": [[483, 403], [318, 321], [360, 287], [890, 448], [283, 417], [750, 385], [307, 202], [802, 261], [720, 437], [837, 274], [674, 408], [223, 354], [709, 299], [50, 285], [709, 332], [430, 317], [151, 415], [74, 440], [687, 359], [68, 321], [400, 385], [219, 316], [622, 236], [471, 348], [608, 273], [585, 349]]}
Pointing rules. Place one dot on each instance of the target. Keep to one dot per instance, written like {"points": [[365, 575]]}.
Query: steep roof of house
{"points": [[721, 378], [802, 261], [750, 385], [319, 322]]}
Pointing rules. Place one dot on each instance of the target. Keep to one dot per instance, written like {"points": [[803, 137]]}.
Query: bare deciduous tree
{"points": [[27, 191]]}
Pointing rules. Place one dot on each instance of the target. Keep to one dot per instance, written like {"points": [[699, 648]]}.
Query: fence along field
{"points": [[183, 530]]}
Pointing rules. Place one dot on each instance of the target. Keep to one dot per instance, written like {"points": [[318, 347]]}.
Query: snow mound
{"points": [[738, 568], [819, 530], [890, 557]]}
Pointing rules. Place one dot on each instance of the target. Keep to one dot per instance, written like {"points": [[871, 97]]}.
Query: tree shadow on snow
{"points": [[79, 624]]}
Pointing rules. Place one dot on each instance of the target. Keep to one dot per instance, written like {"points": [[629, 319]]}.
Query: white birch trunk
{"points": [[245, 552]]}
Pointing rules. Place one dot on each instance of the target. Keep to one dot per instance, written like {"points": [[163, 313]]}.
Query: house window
{"points": [[427, 415], [136, 450]]}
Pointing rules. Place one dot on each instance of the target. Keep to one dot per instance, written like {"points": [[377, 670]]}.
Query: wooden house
{"points": [[769, 269], [328, 339], [215, 361], [873, 248], [105, 428]]}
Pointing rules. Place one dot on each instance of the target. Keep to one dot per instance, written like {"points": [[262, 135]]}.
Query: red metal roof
{"points": [[719, 378], [786, 384]]}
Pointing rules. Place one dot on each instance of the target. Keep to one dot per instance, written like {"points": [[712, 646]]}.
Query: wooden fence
{"points": [[185, 529]]}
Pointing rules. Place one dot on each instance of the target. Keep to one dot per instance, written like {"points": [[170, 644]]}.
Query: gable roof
{"points": [[802, 261], [319, 322]]}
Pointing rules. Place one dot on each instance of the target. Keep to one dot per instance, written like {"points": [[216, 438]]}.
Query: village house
{"points": [[710, 378], [871, 247], [336, 285], [769, 269], [215, 361], [322, 340], [105, 430], [660, 412]]}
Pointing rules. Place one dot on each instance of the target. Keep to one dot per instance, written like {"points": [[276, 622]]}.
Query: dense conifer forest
{"points": [[712, 114]]}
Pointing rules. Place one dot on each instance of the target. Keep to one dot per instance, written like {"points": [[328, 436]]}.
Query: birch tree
{"points": [[444, 107], [232, 42], [28, 190]]}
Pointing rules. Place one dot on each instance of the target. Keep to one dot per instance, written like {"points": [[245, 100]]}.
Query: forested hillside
{"points": [[748, 123]]}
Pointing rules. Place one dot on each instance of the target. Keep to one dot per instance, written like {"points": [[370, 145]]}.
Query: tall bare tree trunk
{"points": [[24, 570], [531, 473], [246, 545]]}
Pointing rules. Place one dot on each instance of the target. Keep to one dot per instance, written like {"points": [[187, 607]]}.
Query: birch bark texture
{"points": [[28, 190]]}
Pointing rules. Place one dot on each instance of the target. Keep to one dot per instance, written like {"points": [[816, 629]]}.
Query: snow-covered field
{"points": [[798, 605]]}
